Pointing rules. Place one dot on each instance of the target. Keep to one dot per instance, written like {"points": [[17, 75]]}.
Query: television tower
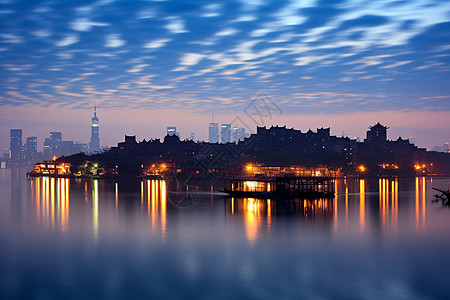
{"points": [[94, 145]]}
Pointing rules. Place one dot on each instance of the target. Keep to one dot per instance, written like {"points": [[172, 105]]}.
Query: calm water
{"points": [[72, 239]]}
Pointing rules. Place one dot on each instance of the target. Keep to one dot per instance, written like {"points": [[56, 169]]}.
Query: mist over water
{"points": [[100, 239]]}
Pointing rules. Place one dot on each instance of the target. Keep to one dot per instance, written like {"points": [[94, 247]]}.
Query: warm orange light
{"points": [[362, 168], [54, 158], [249, 167]]}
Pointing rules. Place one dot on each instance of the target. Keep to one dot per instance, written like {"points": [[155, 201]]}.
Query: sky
{"points": [[150, 64]]}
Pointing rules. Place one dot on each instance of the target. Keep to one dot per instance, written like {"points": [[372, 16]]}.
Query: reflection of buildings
{"points": [[154, 203], [51, 196], [259, 214], [376, 204]]}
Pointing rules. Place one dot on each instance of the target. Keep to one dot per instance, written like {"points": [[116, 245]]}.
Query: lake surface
{"points": [[74, 239]]}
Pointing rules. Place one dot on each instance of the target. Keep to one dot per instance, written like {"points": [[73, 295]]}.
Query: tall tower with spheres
{"points": [[94, 145]]}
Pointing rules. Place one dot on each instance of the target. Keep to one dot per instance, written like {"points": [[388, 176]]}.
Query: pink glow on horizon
{"points": [[429, 128]]}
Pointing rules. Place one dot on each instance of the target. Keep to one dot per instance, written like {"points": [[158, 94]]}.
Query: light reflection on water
{"points": [[377, 238]]}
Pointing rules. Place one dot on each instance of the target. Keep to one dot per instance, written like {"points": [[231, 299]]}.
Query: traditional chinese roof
{"points": [[378, 125]]}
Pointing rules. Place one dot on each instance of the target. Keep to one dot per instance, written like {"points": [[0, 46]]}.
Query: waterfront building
{"points": [[51, 168], [225, 133], [95, 137]]}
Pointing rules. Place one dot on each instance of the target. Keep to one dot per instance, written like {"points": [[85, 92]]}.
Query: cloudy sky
{"points": [[151, 64]]}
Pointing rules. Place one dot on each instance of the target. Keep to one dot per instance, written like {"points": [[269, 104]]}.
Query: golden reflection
{"points": [[38, 199], [163, 188], [396, 203], [148, 198], [259, 214], [86, 191], [142, 197], [417, 204], [346, 206], [64, 202], [95, 209], [362, 204], [424, 204], [251, 219], [388, 203], [335, 206], [157, 205], [382, 201], [52, 202], [154, 206], [116, 189], [232, 206], [46, 200]]}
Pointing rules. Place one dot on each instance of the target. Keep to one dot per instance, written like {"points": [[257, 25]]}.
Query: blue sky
{"points": [[313, 57]]}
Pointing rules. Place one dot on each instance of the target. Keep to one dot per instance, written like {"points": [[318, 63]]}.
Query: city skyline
{"points": [[187, 134], [322, 62]]}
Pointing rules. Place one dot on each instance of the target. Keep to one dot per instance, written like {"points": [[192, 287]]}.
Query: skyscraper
{"points": [[15, 145], [213, 132], [94, 145], [172, 130], [238, 134], [225, 133], [31, 148]]}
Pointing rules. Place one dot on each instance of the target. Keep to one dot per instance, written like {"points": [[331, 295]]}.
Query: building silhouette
{"points": [[377, 136], [15, 145], [94, 145], [275, 147]]}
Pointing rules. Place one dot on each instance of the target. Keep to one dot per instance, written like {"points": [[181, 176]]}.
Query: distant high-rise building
{"points": [[213, 132], [225, 133], [237, 134], [31, 148], [171, 130], [15, 145], [94, 145], [56, 136], [55, 142], [192, 136]]}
